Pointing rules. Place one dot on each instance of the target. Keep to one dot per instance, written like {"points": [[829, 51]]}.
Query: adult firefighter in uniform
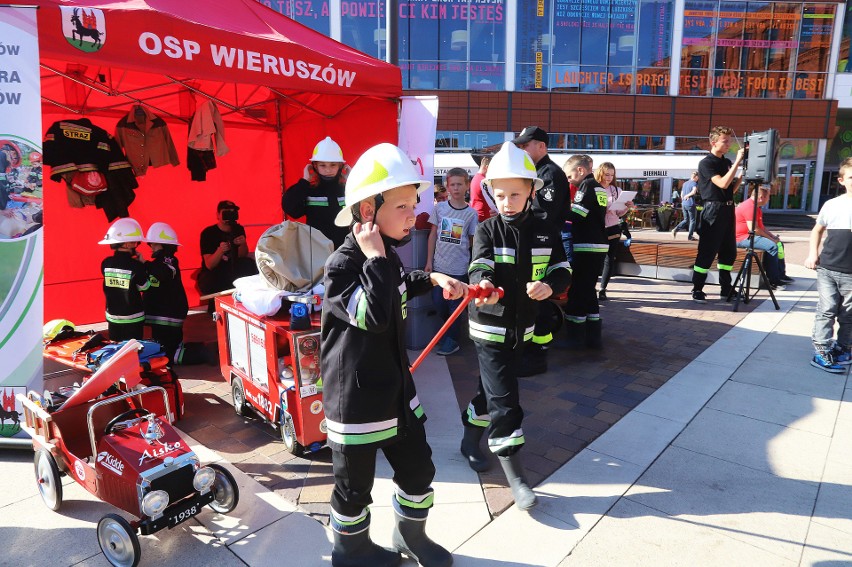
{"points": [[588, 222], [370, 399], [717, 184], [319, 195]]}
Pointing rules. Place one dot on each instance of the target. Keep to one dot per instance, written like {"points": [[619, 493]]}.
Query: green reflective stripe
{"points": [[493, 337], [589, 248], [575, 318], [361, 438], [165, 321], [541, 259], [542, 339], [365, 516], [127, 319], [418, 411], [725, 267], [322, 203], [700, 270], [496, 444], [479, 266], [361, 312], [144, 287], [583, 212], [557, 266], [425, 503], [471, 419], [503, 259], [153, 281]]}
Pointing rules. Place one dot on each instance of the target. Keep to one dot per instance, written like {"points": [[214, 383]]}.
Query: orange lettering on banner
{"points": [[601, 78]]}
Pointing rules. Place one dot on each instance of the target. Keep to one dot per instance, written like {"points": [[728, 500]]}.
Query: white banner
{"points": [[417, 127], [21, 244]]}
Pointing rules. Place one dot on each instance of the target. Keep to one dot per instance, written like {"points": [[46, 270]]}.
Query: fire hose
{"points": [[473, 292]]}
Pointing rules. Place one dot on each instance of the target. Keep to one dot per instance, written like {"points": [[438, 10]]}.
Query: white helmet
{"points": [[123, 230], [161, 233], [327, 150], [511, 162], [379, 169]]}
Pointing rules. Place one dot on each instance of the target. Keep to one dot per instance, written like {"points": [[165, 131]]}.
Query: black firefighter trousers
{"points": [[354, 472], [716, 236]]}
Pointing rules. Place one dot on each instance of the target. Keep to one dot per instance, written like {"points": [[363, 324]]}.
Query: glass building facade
{"points": [[712, 49]]}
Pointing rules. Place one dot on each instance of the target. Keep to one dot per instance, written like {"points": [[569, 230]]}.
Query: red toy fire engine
{"points": [[124, 454], [273, 366]]}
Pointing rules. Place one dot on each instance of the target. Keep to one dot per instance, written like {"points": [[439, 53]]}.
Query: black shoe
{"points": [[699, 297], [602, 295], [787, 280]]}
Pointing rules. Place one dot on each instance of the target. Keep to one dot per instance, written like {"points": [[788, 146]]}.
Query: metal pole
{"points": [[392, 41]]}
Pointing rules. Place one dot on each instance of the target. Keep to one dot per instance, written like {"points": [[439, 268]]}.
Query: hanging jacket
{"points": [[368, 394], [510, 255], [587, 216], [165, 300], [319, 204], [205, 128], [147, 142]]}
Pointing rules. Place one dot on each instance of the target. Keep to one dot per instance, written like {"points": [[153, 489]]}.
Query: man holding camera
{"points": [[224, 251], [717, 182]]}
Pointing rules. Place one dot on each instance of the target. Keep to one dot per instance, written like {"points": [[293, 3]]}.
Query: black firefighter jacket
{"points": [[319, 205], [588, 217], [510, 255], [368, 392]]}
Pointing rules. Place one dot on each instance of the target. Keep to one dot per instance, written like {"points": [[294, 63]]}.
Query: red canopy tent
{"points": [[280, 87]]}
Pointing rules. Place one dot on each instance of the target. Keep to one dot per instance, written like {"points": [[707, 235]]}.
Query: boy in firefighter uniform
{"points": [[591, 244], [318, 196], [522, 253], [125, 279], [369, 395], [165, 300]]}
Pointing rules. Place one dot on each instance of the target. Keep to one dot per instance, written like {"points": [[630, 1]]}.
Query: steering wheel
{"points": [[124, 415]]}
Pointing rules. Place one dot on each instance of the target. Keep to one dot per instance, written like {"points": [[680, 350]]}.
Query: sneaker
{"points": [[841, 356], [447, 348], [602, 295], [691, 238], [699, 297], [787, 280], [778, 287], [826, 362], [674, 232]]}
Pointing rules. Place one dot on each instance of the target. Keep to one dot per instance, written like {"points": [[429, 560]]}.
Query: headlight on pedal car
{"points": [[155, 502], [203, 479]]}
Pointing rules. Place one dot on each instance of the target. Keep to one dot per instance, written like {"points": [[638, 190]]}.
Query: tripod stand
{"points": [[744, 275]]}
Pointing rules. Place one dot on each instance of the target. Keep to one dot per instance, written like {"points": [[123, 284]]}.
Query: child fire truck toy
{"points": [[123, 454], [273, 366]]}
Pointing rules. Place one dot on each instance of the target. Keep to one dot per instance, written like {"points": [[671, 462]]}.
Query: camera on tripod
{"points": [[760, 163]]}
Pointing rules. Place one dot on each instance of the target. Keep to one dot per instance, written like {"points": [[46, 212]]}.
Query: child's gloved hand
{"points": [[310, 174]]}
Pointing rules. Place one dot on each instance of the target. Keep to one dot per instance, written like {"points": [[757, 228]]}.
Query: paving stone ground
{"points": [[652, 329]]}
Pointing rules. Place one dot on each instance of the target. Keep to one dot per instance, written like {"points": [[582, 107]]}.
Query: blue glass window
{"points": [[307, 12]]}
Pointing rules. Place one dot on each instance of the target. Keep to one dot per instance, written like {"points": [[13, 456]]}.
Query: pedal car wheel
{"points": [[118, 541], [288, 435], [47, 477], [238, 396], [226, 494]]}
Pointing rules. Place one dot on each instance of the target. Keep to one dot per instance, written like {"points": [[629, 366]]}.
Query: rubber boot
{"points": [[522, 493], [594, 329], [470, 448], [533, 361], [409, 538], [576, 333], [191, 353], [358, 550]]}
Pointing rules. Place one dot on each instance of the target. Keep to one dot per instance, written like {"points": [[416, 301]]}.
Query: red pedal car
{"points": [[123, 454]]}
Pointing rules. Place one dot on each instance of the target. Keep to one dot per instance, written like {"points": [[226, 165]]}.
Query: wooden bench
{"points": [[671, 261]]}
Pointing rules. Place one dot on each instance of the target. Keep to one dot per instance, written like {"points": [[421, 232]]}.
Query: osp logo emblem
{"points": [[84, 28], [111, 462]]}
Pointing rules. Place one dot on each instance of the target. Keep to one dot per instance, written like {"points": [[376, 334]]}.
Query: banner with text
{"points": [[21, 244]]}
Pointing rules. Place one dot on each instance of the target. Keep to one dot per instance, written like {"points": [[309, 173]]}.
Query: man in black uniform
{"points": [[716, 185], [551, 203], [224, 251]]}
